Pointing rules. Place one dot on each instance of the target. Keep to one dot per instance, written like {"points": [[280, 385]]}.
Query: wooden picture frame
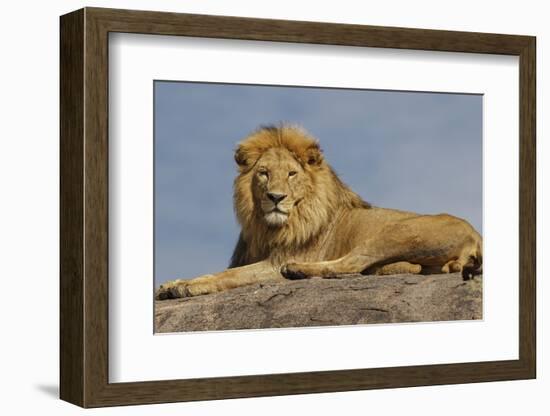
{"points": [[84, 207]]}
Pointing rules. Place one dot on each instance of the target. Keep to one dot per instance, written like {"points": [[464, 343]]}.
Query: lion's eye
{"points": [[263, 173], [292, 173]]}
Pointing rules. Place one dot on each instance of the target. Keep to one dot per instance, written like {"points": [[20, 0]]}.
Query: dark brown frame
{"points": [[84, 207]]}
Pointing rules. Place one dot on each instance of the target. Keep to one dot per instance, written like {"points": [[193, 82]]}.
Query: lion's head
{"points": [[278, 164], [285, 192]]}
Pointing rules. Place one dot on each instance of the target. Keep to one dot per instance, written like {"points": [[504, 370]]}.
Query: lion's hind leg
{"points": [[418, 240], [468, 263], [468, 267], [400, 267], [452, 266]]}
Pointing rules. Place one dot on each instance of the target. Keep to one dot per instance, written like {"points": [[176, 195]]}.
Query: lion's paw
{"points": [[292, 271], [181, 288], [173, 290]]}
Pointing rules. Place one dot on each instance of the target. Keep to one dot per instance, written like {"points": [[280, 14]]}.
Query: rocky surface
{"points": [[319, 302]]}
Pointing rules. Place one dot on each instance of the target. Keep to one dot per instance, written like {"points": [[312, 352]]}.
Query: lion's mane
{"points": [[325, 197]]}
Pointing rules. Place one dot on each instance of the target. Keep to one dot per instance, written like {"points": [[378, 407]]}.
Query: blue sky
{"points": [[407, 150]]}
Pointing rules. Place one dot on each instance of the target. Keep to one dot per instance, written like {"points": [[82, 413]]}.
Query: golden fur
{"points": [[299, 220]]}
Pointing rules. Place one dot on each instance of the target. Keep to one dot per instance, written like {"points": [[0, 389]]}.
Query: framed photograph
{"points": [[255, 207]]}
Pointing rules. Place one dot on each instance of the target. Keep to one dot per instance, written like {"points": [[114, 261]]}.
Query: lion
{"points": [[300, 221]]}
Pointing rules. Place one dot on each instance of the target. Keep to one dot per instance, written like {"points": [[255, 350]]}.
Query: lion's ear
{"points": [[314, 155], [241, 158]]}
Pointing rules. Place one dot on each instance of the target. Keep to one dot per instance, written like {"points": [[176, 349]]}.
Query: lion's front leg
{"points": [[219, 282], [182, 288], [349, 264]]}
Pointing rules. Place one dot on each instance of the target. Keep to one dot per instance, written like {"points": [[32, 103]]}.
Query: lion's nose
{"points": [[276, 198]]}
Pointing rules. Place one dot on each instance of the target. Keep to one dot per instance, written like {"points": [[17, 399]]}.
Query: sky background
{"points": [[414, 151]]}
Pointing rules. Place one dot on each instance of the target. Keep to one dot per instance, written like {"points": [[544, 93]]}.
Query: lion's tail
{"points": [[475, 265]]}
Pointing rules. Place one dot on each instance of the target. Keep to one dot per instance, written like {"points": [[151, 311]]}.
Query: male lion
{"points": [[298, 221]]}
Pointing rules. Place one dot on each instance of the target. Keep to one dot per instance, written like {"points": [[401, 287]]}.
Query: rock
{"points": [[319, 302]]}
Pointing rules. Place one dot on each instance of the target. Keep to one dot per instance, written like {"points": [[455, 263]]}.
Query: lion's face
{"points": [[279, 184]]}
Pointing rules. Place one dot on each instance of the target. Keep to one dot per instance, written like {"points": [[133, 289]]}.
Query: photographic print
{"points": [[291, 206]]}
